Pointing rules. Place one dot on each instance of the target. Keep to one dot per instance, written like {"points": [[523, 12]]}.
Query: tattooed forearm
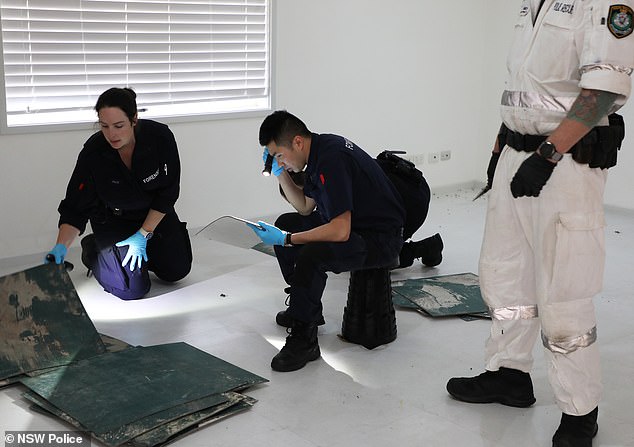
{"points": [[590, 106]]}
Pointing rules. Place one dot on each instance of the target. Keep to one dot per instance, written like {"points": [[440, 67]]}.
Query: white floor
{"points": [[392, 395]]}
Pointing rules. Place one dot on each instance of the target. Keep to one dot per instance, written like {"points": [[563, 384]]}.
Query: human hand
{"points": [[270, 234], [531, 176], [57, 254], [136, 250], [276, 170]]}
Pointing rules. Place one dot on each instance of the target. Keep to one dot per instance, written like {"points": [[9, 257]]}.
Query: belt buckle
{"points": [[117, 211]]}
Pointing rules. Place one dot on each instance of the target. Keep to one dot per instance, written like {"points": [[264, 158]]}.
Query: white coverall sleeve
{"points": [[607, 58]]}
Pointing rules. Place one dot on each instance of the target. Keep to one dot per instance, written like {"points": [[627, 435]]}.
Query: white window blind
{"points": [[182, 57]]}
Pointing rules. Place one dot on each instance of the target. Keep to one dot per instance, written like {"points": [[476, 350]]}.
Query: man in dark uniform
{"points": [[358, 223]]}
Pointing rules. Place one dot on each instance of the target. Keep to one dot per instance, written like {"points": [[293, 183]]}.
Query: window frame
{"points": [[5, 129]]}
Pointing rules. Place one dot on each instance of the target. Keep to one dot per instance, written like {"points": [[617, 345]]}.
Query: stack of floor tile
{"points": [[121, 394], [441, 296]]}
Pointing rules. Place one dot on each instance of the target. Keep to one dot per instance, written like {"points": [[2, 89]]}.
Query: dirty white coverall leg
{"points": [[541, 264]]}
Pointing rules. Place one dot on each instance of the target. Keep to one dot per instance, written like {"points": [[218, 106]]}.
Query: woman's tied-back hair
{"points": [[281, 127], [123, 98]]}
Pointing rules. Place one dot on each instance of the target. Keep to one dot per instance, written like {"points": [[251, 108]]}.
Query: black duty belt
{"points": [[581, 152], [598, 148], [530, 143]]}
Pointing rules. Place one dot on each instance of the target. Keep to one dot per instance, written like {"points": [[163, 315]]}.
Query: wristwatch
{"points": [[146, 234], [549, 151], [287, 240]]}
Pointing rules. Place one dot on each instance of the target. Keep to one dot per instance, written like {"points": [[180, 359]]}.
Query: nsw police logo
{"points": [[620, 21]]}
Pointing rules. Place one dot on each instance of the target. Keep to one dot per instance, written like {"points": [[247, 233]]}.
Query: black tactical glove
{"points": [[493, 162], [531, 176]]}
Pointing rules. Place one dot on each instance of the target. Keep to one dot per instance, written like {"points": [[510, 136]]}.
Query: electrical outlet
{"points": [[445, 155], [434, 157]]}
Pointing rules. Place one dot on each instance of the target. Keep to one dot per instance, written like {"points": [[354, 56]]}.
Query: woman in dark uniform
{"points": [[126, 182]]}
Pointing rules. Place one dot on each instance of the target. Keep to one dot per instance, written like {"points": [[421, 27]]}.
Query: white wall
{"points": [[414, 75], [388, 75]]}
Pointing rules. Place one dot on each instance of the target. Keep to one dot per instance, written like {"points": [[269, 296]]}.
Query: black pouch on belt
{"points": [[606, 144], [586, 148]]}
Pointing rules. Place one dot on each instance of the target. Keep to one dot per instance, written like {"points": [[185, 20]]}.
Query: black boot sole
{"points": [[432, 262], [504, 400], [491, 399]]}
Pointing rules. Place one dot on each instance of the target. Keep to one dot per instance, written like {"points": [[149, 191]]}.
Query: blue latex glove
{"points": [[58, 253], [276, 170], [270, 234], [136, 250]]}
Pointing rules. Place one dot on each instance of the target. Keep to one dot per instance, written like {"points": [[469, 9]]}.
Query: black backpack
{"points": [[412, 187]]}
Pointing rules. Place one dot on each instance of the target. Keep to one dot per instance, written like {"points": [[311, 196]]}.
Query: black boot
{"points": [[576, 431], [89, 252], [301, 347], [283, 318], [507, 386], [429, 250]]}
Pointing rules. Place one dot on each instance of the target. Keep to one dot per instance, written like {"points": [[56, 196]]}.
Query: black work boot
{"points": [[283, 318], [507, 386], [301, 347], [89, 252], [576, 431], [429, 250]]}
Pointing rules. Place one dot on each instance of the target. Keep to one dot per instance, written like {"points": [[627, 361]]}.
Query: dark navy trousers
{"points": [[305, 267]]}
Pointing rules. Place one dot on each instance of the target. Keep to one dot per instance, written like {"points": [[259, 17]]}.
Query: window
{"points": [[182, 57]]}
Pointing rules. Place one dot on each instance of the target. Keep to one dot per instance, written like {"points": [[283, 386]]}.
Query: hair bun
{"points": [[129, 90]]}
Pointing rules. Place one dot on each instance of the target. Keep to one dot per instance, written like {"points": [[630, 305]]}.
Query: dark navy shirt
{"points": [[101, 180], [341, 177]]}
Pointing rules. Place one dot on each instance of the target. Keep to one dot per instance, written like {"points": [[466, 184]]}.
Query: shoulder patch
{"points": [[620, 20]]}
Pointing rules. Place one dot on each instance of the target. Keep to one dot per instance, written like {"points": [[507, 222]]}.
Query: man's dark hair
{"points": [[281, 127], [123, 98]]}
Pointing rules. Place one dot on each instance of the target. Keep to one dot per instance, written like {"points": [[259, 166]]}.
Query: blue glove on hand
{"points": [[58, 252], [136, 250], [270, 234], [276, 170]]}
